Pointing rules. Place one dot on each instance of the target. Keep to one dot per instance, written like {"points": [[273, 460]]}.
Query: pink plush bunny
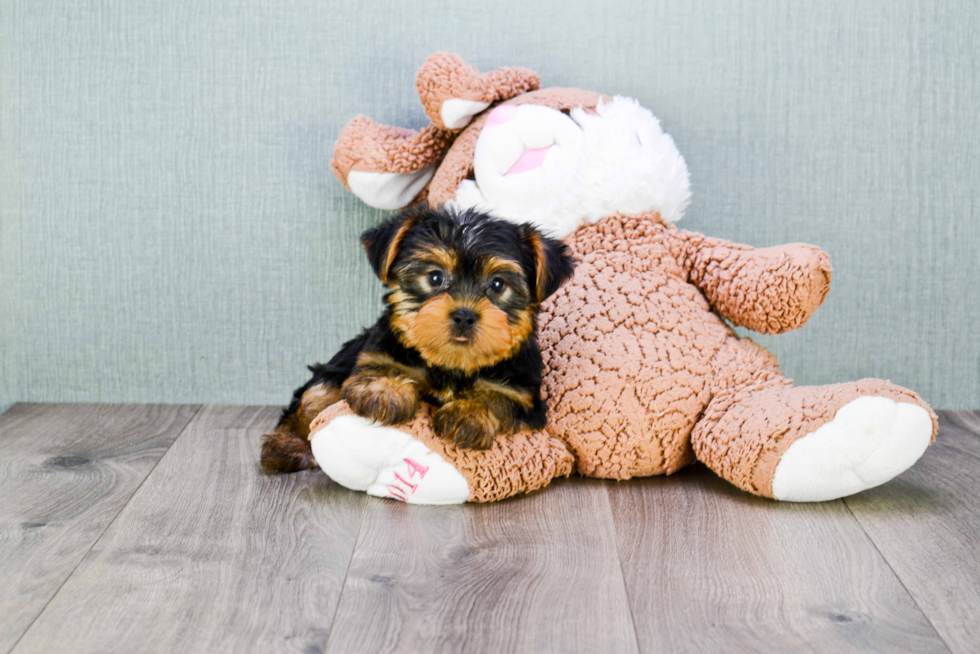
{"points": [[643, 375]]}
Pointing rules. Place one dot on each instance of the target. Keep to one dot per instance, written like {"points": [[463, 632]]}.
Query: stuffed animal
{"points": [[643, 372]]}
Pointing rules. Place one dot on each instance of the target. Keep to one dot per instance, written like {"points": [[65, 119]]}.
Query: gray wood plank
{"points": [[710, 568], [532, 574], [969, 420], [926, 524], [211, 555], [66, 471]]}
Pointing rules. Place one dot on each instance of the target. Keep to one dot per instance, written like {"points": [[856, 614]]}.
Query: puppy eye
{"points": [[435, 279], [497, 285]]}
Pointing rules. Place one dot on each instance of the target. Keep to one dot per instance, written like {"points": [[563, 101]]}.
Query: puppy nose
{"points": [[464, 319]]}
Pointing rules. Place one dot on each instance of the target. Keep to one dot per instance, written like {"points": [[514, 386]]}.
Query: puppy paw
{"points": [[469, 424], [387, 400]]}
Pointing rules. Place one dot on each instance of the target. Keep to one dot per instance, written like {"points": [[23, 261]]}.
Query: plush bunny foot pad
{"points": [[386, 462], [869, 441]]}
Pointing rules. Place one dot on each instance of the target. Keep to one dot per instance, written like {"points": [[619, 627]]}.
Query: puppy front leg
{"points": [[478, 415], [382, 389]]}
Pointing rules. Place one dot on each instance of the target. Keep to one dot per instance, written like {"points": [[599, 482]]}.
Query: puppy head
{"points": [[464, 287]]}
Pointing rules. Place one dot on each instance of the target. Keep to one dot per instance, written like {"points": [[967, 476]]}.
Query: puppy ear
{"points": [[382, 242], [553, 263]]}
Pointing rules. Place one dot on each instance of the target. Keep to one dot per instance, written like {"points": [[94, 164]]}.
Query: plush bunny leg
{"points": [[386, 462], [811, 443], [411, 464]]}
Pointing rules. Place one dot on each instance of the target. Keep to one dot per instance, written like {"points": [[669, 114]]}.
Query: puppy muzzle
{"points": [[464, 320]]}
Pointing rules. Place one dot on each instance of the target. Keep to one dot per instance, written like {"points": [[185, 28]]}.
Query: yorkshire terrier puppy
{"points": [[458, 332]]}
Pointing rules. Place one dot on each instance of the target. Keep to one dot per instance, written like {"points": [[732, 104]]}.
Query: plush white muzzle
{"points": [[557, 171]]}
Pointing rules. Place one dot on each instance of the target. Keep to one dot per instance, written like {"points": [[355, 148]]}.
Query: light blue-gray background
{"points": [[170, 230]]}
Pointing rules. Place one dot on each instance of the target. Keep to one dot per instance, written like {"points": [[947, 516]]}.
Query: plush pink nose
{"points": [[501, 114], [530, 160]]}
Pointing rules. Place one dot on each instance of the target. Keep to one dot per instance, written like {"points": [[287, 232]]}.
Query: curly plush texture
{"points": [[642, 378], [639, 369], [770, 290], [445, 76], [747, 427], [632, 349], [642, 373], [366, 146]]}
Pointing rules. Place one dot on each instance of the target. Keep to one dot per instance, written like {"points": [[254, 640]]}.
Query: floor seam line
{"points": [[107, 527], [622, 573], [343, 585], [915, 602]]}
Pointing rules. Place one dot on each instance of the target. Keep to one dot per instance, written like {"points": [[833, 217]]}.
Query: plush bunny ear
{"points": [[452, 91], [387, 167]]}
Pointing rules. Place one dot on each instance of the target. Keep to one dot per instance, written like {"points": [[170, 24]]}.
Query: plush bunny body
{"points": [[643, 375]]}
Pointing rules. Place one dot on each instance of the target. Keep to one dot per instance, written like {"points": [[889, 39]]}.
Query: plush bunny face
{"points": [[557, 158], [559, 171]]}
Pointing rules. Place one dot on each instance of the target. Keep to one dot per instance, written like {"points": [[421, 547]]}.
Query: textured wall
{"points": [[170, 230]]}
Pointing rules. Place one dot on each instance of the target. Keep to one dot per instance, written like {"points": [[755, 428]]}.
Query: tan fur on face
{"points": [[495, 265], [429, 330], [445, 259]]}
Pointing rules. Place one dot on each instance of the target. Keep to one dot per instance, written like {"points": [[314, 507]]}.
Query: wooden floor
{"points": [[150, 528]]}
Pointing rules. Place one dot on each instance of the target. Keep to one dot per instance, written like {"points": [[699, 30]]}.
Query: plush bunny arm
{"points": [[769, 290], [363, 145], [387, 167]]}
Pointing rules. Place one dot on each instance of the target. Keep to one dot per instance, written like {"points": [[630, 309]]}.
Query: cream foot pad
{"points": [[869, 441], [386, 462]]}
